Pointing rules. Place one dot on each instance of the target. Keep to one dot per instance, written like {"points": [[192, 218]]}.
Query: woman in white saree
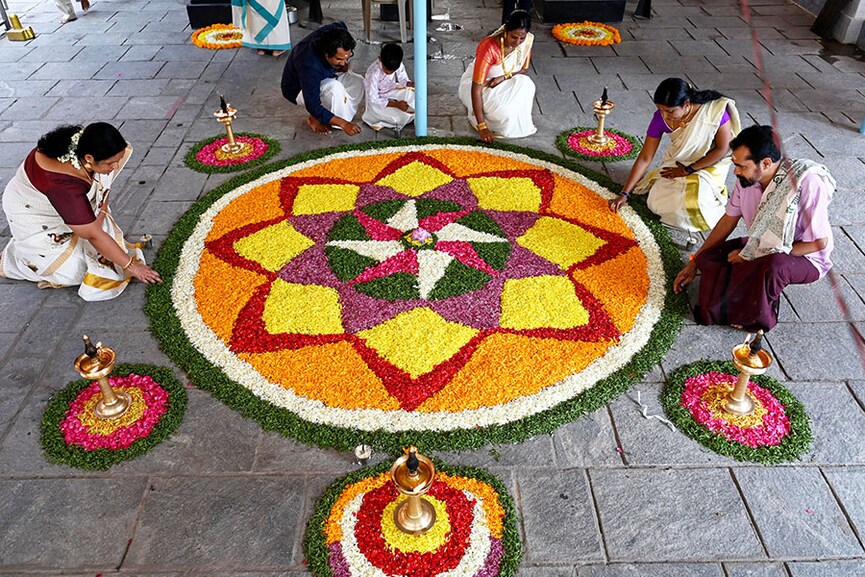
{"points": [[688, 190], [63, 232], [494, 89], [264, 24]]}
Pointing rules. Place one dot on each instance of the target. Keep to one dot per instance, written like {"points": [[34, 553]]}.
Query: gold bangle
{"points": [[129, 264], [482, 126]]}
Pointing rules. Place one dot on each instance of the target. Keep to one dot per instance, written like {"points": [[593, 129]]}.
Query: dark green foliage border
{"points": [[792, 447], [315, 547], [562, 144], [192, 161], [58, 451], [174, 342]]}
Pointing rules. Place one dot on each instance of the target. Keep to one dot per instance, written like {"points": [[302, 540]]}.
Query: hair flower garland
{"points": [[72, 434], [587, 34], [620, 146], [71, 155], [776, 431], [218, 36], [352, 530]]}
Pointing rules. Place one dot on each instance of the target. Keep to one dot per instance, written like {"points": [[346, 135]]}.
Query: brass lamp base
{"points": [[599, 139], [115, 410], [741, 407], [414, 516], [231, 148]]}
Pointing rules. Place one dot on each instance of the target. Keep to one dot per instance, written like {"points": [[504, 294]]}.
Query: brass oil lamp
{"points": [[602, 108], [225, 116], [413, 475], [19, 33], [751, 359], [95, 364]]}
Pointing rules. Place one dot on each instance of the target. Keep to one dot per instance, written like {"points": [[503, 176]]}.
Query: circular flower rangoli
{"points": [[72, 433], [587, 34], [776, 430], [218, 37], [353, 531], [432, 290], [208, 156], [620, 146]]}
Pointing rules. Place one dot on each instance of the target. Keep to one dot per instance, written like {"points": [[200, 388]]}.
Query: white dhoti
{"points": [[341, 95], [379, 117]]}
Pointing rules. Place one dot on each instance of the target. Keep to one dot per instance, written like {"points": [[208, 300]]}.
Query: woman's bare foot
{"points": [[261, 52], [277, 53], [316, 125]]}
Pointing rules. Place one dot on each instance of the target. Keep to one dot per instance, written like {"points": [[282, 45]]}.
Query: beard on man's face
{"points": [[746, 182]]}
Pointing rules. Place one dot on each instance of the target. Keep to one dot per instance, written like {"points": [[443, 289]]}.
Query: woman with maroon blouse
{"points": [[63, 232]]}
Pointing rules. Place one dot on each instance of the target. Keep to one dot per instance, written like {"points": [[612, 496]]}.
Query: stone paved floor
{"points": [[221, 497]]}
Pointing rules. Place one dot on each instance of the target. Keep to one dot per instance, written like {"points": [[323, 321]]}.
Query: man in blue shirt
{"points": [[317, 76]]}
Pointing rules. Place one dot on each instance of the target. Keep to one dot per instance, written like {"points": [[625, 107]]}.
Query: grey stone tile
{"points": [[29, 108], [182, 69], [19, 376], [648, 441], [197, 447], [816, 302], [682, 502], [848, 484], [150, 107], [84, 109], [103, 509], [588, 441], [558, 517], [795, 344], [46, 327], [51, 54], [13, 153], [101, 53], [129, 70], [239, 522], [755, 570], [651, 570], [851, 568], [128, 87], [856, 233], [92, 89], [837, 422], [536, 452], [179, 184], [66, 71], [544, 571], [139, 53], [277, 453], [796, 513], [25, 88]]}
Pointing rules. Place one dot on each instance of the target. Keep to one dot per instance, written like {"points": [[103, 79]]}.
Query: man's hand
{"points": [[685, 276], [410, 84], [734, 258], [401, 104]]}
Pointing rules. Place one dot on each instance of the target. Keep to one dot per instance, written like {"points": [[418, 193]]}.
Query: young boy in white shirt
{"points": [[389, 92]]}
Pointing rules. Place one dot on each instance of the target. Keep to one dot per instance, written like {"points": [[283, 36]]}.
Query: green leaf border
{"points": [[562, 144], [166, 326], [792, 447], [315, 548], [273, 147], [56, 449]]}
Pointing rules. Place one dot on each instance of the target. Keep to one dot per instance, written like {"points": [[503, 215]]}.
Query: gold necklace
{"points": [[507, 72]]}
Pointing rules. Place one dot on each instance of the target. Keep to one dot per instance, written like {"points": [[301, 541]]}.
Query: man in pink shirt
{"points": [[784, 205]]}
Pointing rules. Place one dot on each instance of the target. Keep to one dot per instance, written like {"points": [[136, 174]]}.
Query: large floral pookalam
{"points": [[431, 288]]}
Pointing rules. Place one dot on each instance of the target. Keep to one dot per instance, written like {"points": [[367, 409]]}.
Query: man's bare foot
{"points": [[67, 18], [317, 126], [85, 5]]}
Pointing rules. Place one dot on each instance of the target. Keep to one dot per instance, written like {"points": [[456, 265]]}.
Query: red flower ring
{"points": [[212, 155], [368, 532]]}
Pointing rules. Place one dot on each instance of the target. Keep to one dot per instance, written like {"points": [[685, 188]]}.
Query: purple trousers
{"points": [[746, 294]]}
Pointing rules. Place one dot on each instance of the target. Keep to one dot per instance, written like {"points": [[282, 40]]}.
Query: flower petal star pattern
{"points": [[433, 281]]}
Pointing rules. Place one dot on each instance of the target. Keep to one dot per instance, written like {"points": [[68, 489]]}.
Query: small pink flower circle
{"points": [[771, 431], [208, 154], [79, 428], [618, 146]]}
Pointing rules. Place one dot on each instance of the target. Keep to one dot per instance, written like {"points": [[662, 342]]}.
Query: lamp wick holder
{"points": [[226, 116], [602, 109], [751, 359], [96, 365]]}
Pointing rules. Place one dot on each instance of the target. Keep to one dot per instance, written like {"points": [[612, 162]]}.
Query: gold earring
{"points": [[87, 166]]}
